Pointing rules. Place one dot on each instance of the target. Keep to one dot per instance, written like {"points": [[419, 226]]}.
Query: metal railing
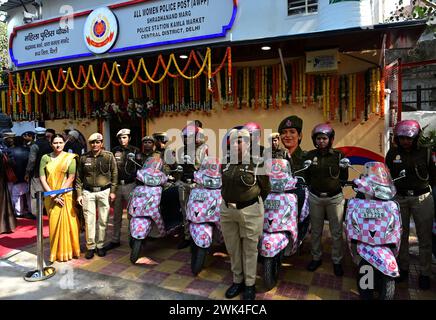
{"points": [[41, 272]]}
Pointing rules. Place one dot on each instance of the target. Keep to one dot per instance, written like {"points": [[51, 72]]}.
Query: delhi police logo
{"points": [[100, 30]]}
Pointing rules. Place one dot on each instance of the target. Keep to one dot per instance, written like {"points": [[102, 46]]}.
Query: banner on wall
{"points": [[139, 24]]}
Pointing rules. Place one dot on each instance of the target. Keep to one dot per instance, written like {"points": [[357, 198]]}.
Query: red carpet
{"points": [[24, 235]]}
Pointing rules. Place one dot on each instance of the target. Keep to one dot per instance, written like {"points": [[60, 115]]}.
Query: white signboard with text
{"points": [[140, 25]]}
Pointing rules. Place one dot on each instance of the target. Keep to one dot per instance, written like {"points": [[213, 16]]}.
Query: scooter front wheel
{"points": [[136, 250], [386, 287], [198, 256], [382, 288], [271, 268]]}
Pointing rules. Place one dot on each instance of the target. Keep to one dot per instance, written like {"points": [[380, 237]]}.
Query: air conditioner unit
{"points": [[322, 61]]}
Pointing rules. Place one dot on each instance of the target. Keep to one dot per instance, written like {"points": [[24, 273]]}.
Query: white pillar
{"points": [[388, 130]]}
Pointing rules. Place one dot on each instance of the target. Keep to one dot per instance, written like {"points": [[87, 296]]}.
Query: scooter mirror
{"points": [[131, 157], [344, 163], [307, 163], [402, 173]]}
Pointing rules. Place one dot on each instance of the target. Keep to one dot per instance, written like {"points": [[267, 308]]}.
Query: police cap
{"points": [[40, 130], [274, 135], [148, 138], [28, 133], [95, 136], [242, 133], [160, 136], [8, 134], [123, 132], [291, 122]]}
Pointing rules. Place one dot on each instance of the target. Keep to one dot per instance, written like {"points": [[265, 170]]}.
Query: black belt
{"points": [[123, 182], [413, 193], [241, 205], [326, 194], [96, 189]]}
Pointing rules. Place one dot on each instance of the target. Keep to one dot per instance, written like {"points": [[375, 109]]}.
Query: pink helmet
{"points": [[407, 128], [252, 126], [323, 128]]}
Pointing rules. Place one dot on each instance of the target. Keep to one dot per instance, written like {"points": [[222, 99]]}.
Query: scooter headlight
{"points": [[211, 183], [152, 181], [277, 185], [383, 192]]}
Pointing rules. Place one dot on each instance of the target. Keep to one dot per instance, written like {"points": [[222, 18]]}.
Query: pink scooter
{"points": [[373, 229], [281, 221], [203, 213], [144, 206]]}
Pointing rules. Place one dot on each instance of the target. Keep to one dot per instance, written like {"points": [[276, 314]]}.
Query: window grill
{"points": [[302, 7]]}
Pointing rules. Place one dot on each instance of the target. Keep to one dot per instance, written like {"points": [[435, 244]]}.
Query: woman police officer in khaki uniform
{"points": [[324, 178], [242, 213], [413, 195]]}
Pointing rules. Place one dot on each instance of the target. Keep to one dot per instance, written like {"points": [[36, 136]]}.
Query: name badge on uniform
{"points": [[397, 159], [88, 162], [315, 161], [118, 155]]}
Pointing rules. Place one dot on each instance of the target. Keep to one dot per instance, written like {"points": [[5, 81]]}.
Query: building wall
{"points": [[366, 135], [256, 19]]}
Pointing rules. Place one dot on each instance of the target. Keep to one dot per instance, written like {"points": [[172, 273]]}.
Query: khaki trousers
{"points": [[35, 186], [184, 192], [241, 231], [422, 210], [334, 209], [91, 202], [122, 193]]}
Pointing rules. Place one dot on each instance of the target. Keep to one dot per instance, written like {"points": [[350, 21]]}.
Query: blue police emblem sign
{"points": [[101, 30]]}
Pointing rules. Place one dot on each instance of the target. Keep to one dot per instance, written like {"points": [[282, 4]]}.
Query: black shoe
{"points": [[89, 254], [101, 252], [249, 293], [112, 245], [234, 290], [337, 269], [183, 244], [313, 265], [27, 216], [424, 282], [404, 275]]}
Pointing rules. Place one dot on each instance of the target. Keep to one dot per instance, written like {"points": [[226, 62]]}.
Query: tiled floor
{"points": [[163, 265]]}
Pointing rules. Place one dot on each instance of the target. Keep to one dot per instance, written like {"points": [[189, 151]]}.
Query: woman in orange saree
{"points": [[58, 171]]}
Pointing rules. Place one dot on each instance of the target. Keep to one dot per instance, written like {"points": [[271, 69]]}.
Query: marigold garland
{"points": [[29, 83]]}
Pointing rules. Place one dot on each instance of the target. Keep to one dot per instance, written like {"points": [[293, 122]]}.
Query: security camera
{"points": [[37, 3], [29, 15]]}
